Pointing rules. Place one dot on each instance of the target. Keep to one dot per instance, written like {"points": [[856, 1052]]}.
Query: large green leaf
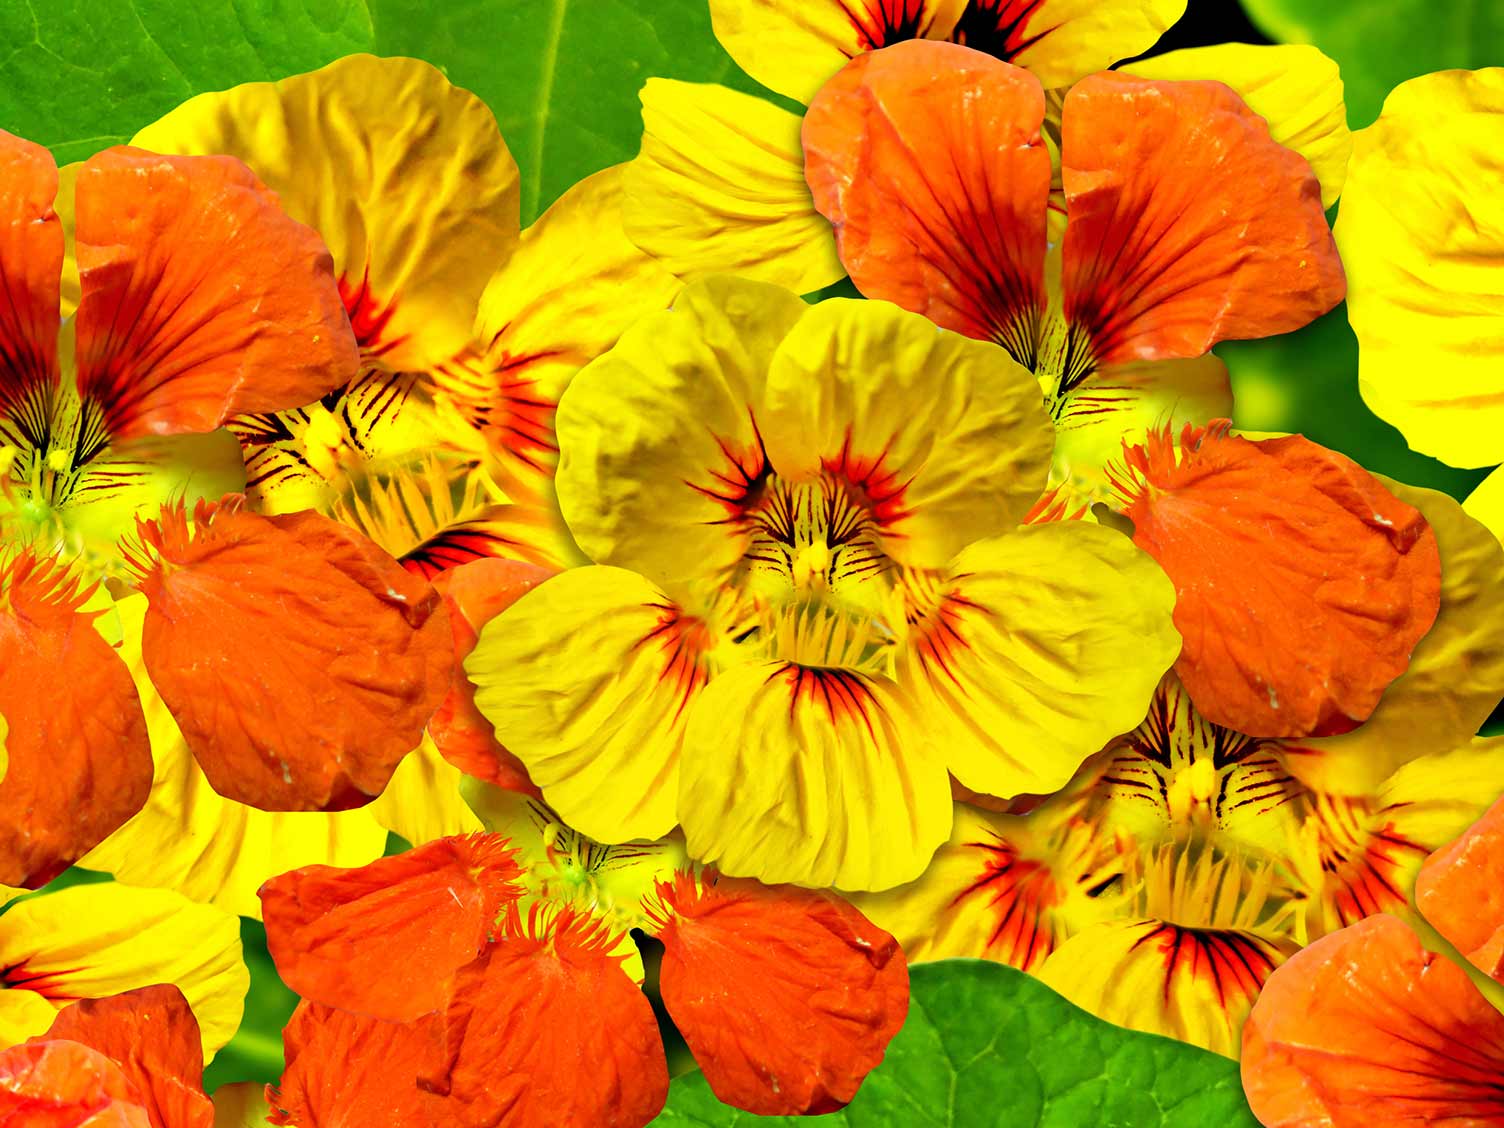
{"points": [[1380, 43], [562, 76], [985, 1045]]}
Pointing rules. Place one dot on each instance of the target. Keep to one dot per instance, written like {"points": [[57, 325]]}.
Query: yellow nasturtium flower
{"points": [[812, 595]]}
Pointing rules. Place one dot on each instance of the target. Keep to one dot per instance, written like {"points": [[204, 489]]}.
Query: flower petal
{"points": [[1293, 87], [814, 775], [405, 176], [719, 187], [200, 298], [787, 998], [291, 617], [66, 1085], [928, 159], [1365, 1027], [31, 246], [1460, 891], [384, 939], [1302, 584], [79, 758], [1062, 40], [241, 1104], [1033, 650], [152, 1035], [1422, 240], [422, 802], [92, 941], [1169, 185]]}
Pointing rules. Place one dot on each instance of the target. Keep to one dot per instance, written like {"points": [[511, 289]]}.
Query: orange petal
{"points": [[316, 659], [927, 158], [31, 247], [151, 1034], [1302, 585], [1366, 1028], [788, 998], [65, 1085], [546, 1029], [1460, 890], [79, 755], [1188, 224], [350, 1071], [476, 593], [384, 939], [200, 298]]}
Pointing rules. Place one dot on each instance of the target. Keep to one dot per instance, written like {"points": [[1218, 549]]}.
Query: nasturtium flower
{"points": [[1186, 224], [517, 962], [1366, 1026], [132, 1060], [811, 594], [92, 941]]}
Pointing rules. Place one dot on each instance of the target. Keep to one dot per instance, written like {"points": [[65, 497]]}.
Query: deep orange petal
{"points": [[31, 247], [151, 1034], [79, 755], [1188, 224], [546, 1029], [1366, 1028], [927, 158], [200, 298], [1302, 585], [476, 593], [788, 998], [384, 939], [1460, 890], [65, 1085], [300, 661]]}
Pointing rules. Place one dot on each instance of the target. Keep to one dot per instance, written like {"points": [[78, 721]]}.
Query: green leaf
{"points": [[986, 1046], [1381, 43]]}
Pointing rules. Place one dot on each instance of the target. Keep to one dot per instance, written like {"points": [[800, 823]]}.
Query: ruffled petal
{"points": [[1460, 891], [719, 187], [1188, 224], [1302, 584], [66, 1085], [290, 617], [31, 246], [1365, 1027], [200, 298], [384, 939]]}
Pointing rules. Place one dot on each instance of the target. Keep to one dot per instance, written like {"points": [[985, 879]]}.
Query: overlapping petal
{"points": [[31, 246], [66, 1085]]}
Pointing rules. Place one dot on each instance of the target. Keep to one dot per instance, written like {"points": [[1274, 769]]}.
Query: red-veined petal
{"points": [[31, 247]]}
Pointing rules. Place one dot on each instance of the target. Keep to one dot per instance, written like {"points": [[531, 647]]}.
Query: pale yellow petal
{"points": [[423, 800]]}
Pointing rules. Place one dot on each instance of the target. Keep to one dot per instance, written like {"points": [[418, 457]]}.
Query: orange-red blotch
{"points": [[1189, 225], [151, 1034], [546, 1030], [200, 298], [31, 247], [787, 997], [476, 593], [79, 754], [1366, 1028], [928, 160], [65, 1085], [1302, 585], [385, 939], [1460, 890], [301, 662]]}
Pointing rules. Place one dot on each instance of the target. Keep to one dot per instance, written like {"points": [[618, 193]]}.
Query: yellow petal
{"points": [[812, 775], [1486, 503], [1063, 40], [947, 433], [91, 941], [1294, 87], [651, 431], [588, 680], [423, 801], [719, 188], [191, 839], [1421, 230], [241, 1105], [1455, 676], [405, 176], [1034, 649]]}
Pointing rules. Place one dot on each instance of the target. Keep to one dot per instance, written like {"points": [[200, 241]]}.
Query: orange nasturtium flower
{"points": [[197, 299], [131, 1060], [518, 964], [1367, 1026], [811, 594], [1186, 224]]}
